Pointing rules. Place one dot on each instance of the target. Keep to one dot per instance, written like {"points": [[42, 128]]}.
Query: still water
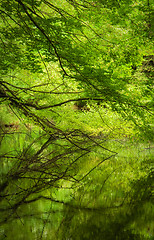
{"points": [[114, 202]]}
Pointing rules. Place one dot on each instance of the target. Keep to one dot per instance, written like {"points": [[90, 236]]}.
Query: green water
{"points": [[115, 201], [77, 224]]}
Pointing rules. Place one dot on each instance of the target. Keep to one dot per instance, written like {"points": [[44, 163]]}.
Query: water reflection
{"points": [[61, 222], [111, 203]]}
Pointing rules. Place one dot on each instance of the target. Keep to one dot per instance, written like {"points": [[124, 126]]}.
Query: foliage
{"points": [[76, 87]]}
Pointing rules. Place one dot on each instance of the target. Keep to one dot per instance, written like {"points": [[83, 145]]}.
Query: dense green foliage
{"points": [[76, 118]]}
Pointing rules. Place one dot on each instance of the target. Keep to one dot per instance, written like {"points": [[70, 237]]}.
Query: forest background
{"points": [[76, 119]]}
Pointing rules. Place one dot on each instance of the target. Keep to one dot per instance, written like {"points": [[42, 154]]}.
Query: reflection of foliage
{"points": [[74, 81], [49, 158], [112, 222]]}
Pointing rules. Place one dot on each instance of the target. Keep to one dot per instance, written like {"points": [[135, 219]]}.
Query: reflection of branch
{"points": [[108, 178], [77, 207], [46, 220], [97, 166], [100, 145]]}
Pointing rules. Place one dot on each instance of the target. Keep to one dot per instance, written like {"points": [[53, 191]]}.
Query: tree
{"points": [[53, 55]]}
